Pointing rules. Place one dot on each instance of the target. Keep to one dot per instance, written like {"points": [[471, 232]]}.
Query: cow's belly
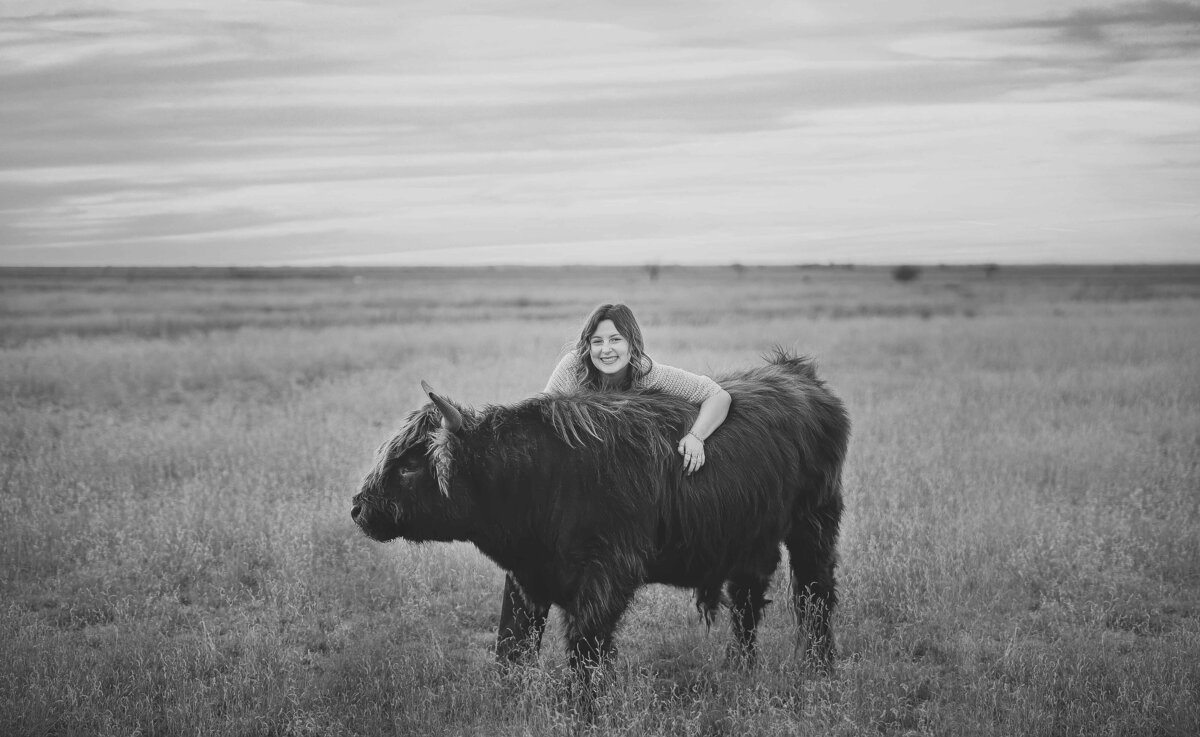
{"points": [[687, 579], [691, 570]]}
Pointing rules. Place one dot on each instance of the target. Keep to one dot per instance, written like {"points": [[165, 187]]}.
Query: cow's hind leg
{"points": [[522, 623], [747, 599], [812, 547], [709, 599]]}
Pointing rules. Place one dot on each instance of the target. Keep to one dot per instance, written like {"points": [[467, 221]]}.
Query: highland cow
{"points": [[583, 499]]}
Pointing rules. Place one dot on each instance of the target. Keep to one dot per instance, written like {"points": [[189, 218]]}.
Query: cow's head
{"points": [[409, 493]]}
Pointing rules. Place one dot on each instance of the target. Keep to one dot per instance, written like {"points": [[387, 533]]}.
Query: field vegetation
{"points": [[1020, 553]]}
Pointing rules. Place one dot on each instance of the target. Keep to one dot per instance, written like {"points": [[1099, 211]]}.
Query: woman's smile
{"points": [[609, 349]]}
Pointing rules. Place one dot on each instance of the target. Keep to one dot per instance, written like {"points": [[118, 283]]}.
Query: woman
{"points": [[610, 356]]}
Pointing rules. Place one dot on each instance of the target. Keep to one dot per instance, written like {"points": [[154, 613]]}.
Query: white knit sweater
{"points": [[692, 387]]}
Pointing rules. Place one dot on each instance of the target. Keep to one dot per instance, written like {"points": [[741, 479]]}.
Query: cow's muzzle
{"points": [[375, 522]]}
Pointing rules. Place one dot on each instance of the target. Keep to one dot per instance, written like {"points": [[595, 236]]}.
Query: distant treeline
{"points": [[1179, 272]]}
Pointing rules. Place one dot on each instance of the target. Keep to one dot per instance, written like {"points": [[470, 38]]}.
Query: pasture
{"points": [[1020, 552]]}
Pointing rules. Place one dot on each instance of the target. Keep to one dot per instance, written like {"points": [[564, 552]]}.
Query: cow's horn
{"points": [[451, 417]]}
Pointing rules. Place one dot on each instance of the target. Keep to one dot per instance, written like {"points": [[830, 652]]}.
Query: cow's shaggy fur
{"points": [[583, 499]]}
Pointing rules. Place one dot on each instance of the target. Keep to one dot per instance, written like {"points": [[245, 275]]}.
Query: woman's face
{"points": [[610, 350]]}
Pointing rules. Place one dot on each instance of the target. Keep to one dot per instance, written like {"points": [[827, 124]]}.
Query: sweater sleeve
{"points": [[692, 387], [562, 380]]}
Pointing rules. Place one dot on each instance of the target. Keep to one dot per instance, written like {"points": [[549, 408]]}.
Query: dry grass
{"points": [[177, 451]]}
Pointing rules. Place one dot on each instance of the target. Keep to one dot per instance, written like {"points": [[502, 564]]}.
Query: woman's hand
{"points": [[692, 450]]}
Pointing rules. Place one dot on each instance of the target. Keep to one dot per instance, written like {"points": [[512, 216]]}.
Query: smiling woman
{"points": [[610, 355], [610, 342]]}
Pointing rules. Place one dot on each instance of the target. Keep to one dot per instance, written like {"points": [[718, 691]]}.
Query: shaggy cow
{"points": [[583, 499]]}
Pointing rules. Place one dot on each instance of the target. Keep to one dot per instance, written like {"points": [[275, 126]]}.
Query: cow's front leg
{"points": [[593, 615], [522, 623]]}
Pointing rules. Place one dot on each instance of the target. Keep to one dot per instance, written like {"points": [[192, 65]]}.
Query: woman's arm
{"points": [[714, 407], [562, 379], [713, 412]]}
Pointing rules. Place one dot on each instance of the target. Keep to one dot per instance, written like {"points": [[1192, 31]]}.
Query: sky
{"points": [[407, 132]]}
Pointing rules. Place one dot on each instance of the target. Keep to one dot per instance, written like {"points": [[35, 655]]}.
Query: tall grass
{"points": [[1019, 556]]}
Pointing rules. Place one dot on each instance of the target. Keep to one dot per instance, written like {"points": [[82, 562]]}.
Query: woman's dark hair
{"points": [[626, 324]]}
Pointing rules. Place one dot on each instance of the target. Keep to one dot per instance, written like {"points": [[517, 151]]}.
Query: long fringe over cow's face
{"points": [[409, 492]]}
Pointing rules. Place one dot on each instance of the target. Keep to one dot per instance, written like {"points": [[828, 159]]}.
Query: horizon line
{"points": [[996, 265]]}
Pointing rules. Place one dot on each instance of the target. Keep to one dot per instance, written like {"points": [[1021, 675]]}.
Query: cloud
{"points": [[1125, 32], [142, 129]]}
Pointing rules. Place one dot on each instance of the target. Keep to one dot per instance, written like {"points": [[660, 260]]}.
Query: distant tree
{"points": [[989, 270], [738, 269], [904, 273], [652, 270]]}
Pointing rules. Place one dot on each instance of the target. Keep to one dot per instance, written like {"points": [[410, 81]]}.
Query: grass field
{"points": [[1020, 553]]}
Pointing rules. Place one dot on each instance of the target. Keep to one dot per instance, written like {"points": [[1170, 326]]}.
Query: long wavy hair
{"points": [[587, 375]]}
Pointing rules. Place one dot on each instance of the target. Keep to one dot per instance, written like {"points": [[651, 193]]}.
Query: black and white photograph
{"points": [[413, 367]]}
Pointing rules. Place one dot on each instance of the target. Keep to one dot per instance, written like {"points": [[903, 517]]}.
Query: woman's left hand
{"points": [[692, 450]]}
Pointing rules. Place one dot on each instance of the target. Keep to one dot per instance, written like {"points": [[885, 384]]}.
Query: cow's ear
{"points": [[451, 417]]}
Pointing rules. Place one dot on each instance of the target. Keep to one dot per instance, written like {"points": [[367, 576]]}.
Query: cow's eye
{"points": [[411, 464]]}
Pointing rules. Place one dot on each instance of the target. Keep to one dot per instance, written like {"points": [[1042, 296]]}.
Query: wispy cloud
{"points": [[166, 132], [1126, 31]]}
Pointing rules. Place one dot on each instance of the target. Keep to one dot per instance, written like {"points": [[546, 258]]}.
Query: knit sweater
{"points": [[692, 387]]}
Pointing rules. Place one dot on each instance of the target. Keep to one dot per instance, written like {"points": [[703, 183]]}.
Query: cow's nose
{"points": [[355, 511]]}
